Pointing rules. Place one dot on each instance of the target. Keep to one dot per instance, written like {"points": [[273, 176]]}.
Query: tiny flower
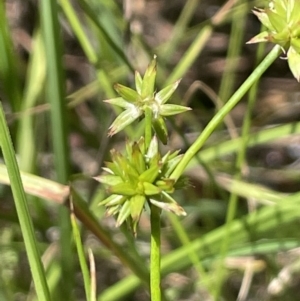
{"points": [[138, 178], [282, 22], [135, 103]]}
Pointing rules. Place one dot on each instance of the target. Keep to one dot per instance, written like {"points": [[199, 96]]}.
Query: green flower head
{"points": [[282, 21], [140, 177], [135, 103]]}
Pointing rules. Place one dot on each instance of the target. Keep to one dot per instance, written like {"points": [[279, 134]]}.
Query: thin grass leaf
{"points": [[8, 63], [55, 94], [179, 29], [81, 254], [27, 229], [262, 136], [26, 135], [198, 44], [79, 32], [92, 15]]}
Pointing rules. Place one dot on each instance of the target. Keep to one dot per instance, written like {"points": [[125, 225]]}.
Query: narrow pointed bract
{"points": [[138, 82], [124, 119], [127, 93], [164, 95], [149, 80]]}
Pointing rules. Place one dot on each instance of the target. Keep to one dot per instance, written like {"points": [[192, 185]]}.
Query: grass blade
{"points": [[34, 259], [8, 67], [81, 255], [56, 97]]}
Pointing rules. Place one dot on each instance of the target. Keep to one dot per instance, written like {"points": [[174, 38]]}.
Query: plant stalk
{"points": [[155, 257], [219, 117]]}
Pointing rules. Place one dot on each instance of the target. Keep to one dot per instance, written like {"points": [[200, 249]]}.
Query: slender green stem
{"points": [[218, 118], [155, 226], [148, 126], [155, 254]]}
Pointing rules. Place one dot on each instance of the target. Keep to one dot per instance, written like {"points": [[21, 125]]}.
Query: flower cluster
{"points": [[282, 21], [135, 103], [138, 177]]}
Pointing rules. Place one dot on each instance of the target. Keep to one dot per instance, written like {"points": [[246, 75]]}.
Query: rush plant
{"points": [[142, 175]]}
